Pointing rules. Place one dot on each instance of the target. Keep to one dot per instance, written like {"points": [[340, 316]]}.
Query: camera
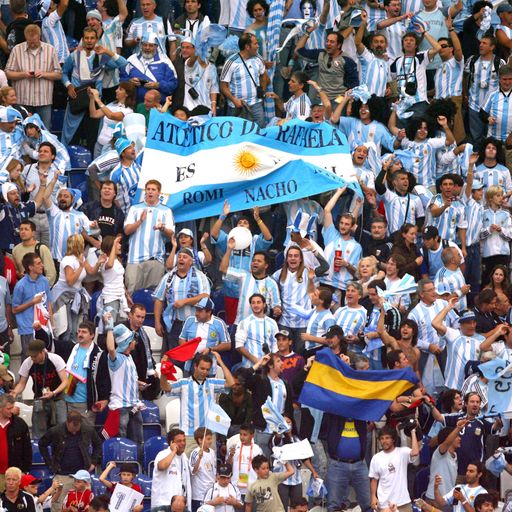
{"points": [[411, 88], [265, 348], [260, 93], [408, 425], [484, 84], [193, 93]]}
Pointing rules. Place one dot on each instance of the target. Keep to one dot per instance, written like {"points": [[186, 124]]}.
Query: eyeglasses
{"points": [[329, 63]]}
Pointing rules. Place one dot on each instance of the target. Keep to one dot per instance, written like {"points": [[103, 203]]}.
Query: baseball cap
{"points": [[94, 13], [29, 480], [334, 330], [205, 303], [282, 332], [35, 347], [225, 470], [477, 185], [122, 336], [504, 7], [430, 232], [82, 474], [186, 250], [467, 316], [4, 374], [186, 231]]}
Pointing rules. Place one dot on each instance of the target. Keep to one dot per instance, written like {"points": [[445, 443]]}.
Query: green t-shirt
{"points": [[265, 494]]}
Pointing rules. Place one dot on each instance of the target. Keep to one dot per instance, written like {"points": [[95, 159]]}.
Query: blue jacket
{"points": [[161, 68]]}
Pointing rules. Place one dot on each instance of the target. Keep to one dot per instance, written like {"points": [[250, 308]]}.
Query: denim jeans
{"points": [[256, 111], [54, 412], [342, 474], [130, 426], [473, 271]]}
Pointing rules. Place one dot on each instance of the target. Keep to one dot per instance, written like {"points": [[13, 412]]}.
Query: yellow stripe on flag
{"points": [[331, 379]]}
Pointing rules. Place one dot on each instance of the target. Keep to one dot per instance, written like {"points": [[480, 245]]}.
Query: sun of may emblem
{"points": [[246, 162], [217, 418]]}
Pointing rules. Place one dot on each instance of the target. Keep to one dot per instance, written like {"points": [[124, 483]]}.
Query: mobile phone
{"points": [[32, 73]]}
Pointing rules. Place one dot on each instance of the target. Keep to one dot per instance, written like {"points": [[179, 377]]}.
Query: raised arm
{"points": [[218, 223], [328, 220], [224, 263], [438, 321]]}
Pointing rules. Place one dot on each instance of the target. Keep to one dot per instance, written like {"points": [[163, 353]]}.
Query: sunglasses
{"points": [[329, 63], [445, 46]]}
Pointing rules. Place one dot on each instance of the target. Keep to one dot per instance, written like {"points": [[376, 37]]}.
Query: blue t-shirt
{"points": [[349, 444], [77, 367]]}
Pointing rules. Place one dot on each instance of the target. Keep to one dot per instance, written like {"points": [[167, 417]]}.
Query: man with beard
{"points": [[374, 65], [64, 220], [13, 211]]}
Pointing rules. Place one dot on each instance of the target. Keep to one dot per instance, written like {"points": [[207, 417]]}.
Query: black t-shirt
{"points": [[72, 458], [24, 503], [106, 221], [16, 31]]}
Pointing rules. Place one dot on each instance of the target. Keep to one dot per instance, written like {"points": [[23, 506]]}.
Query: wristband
{"points": [[222, 217]]}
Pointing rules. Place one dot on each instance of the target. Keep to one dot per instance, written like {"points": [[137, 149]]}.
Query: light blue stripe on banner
{"points": [[170, 135], [294, 180]]}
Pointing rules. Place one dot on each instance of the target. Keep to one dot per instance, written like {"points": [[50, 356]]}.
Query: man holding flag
{"points": [[196, 393]]}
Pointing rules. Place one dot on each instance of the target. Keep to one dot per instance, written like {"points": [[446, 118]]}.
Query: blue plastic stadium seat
{"points": [[57, 120], [143, 296], [41, 472], [80, 157], [152, 447], [119, 449], [92, 305], [151, 414], [37, 458], [150, 430], [97, 487], [145, 484]]}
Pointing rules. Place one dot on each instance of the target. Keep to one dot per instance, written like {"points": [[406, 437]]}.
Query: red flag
{"points": [[184, 352], [111, 427]]}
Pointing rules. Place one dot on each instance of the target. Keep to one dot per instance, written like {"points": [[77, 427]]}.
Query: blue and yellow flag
{"points": [[333, 386]]}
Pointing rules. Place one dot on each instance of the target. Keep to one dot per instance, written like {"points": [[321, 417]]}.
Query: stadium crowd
{"points": [[98, 293]]}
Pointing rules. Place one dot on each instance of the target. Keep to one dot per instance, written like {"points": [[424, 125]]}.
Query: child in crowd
{"points": [[240, 458], [264, 491], [78, 498], [29, 483], [203, 463], [127, 474], [223, 495]]}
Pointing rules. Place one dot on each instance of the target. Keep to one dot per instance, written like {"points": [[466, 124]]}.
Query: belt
{"points": [[346, 461]]}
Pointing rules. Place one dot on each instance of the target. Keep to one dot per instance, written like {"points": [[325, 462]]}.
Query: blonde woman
{"points": [[68, 292], [8, 99], [367, 271]]}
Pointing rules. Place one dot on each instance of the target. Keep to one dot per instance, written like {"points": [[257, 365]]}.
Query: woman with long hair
{"points": [[499, 280], [69, 292], [491, 167], [296, 284], [111, 113], [405, 245], [8, 99], [394, 273]]}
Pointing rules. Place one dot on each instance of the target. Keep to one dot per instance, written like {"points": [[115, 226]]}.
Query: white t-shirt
{"points": [[113, 282], [171, 481], [205, 476], [71, 261], [243, 472], [390, 469], [107, 126]]}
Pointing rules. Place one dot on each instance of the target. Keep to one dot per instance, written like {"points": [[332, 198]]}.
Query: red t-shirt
{"points": [[79, 499], [135, 487]]}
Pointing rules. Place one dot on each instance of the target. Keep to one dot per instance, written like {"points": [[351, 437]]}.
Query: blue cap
{"points": [[467, 316], [477, 185], [9, 114], [121, 144], [82, 474], [122, 336], [205, 303]]}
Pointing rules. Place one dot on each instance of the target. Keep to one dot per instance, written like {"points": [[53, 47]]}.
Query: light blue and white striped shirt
{"points": [[448, 79], [356, 130], [499, 106], [127, 179], [146, 242], [140, 26], [62, 225], [172, 287], [453, 218], [394, 34], [53, 34], [124, 378], [298, 107], [351, 252], [249, 286], [459, 350], [194, 400], [252, 333], [453, 280], [484, 75], [293, 293], [496, 242], [398, 206], [375, 73], [424, 158], [474, 217], [351, 320], [239, 78], [498, 176], [205, 82], [318, 324]]}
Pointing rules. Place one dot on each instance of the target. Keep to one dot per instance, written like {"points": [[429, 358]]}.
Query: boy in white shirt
{"points": [[223, 495], [240, 457], [203, 462]]}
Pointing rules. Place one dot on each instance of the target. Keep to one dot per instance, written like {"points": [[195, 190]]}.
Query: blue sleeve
{"points": [[309, 54], [168, 81], [119, 63], [67, 68], [221, 242], [262, 244], [351, 78], [17, 295]]}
